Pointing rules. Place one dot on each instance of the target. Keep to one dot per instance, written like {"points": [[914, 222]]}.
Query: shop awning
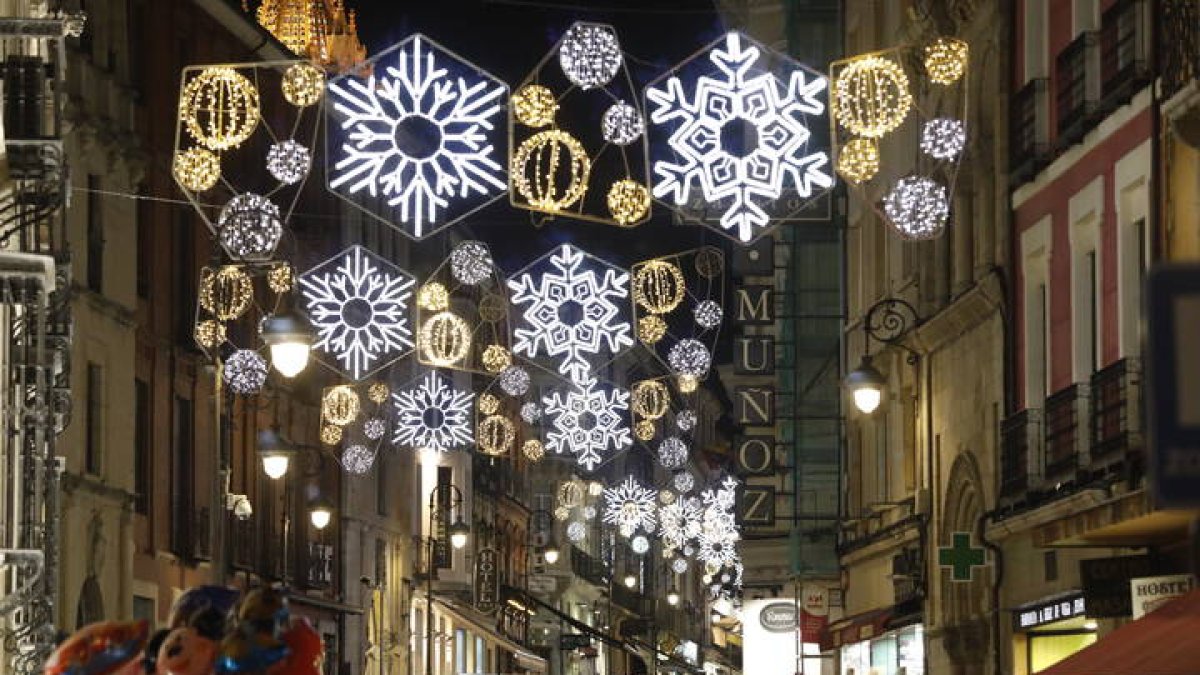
{"points": [[855, 629], [1163, 642], [461, 616]]}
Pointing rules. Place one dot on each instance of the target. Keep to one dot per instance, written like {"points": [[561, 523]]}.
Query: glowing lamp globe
{"points": [[551, 553], [459, 532], [865, 385], [320, 514], [672, 597], [290, 340]]}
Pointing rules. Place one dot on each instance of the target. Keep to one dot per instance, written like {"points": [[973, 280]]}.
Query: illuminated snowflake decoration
{"points": [[357, 459], [433, 416], [419, 138], [374, 428], [680, 522], [245, 372], [576, 532], [629, 506], [531, 412], [723, 496], [690, 357], [568, 315], [708, 314], [739, 136], [717, 548], [588, 423], [471, 263], [672, 453]]}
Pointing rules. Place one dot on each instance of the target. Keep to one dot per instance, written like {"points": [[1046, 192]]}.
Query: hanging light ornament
{"points": [[679, 565], [590, 55], [683, 481], [690, 357], [628, 201], [538, 176], [245, 372], [357, 459], [589, 513], [858, 160], [226, 293], [658, 286], [562, 513], [495, 435], [514, 380], [444, 339], [651, 329], [576, 532], [534, 106], [708, 314], [340, 405], [651, 399], [374, 428], [531, 412], [533, 450], [640, 544], [219, 108], [493, 308], [433, 297], [288, 162], [378, 392], [686, 420], [209, 334], [672, 453], [946, 60], [687, 384], [644, 430], [196, 169], [249, 227], [331, 434], [281, 278], [622, 124], [570, 494], [488, 404], [917, 207], [471, 263], [709, 262], [303, 84], [629, 506], [943, 138], [871, 96], [496, 358]]}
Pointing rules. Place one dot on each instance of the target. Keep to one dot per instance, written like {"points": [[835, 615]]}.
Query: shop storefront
{"points": [[467, 642], [892, 653], [1049, 630]]}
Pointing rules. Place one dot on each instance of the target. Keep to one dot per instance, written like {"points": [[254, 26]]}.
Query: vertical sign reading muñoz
{"points": [[754, 396], [487, 582]]}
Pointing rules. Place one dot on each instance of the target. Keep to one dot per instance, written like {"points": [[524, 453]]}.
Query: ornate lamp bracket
{"points": [[888, 321]]}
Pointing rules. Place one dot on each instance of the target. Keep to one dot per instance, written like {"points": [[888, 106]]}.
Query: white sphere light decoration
{"points": [[357, 459], [640, 544], [679, 565], [531, 412], [590, 55], [514, 380], [576, 531], [943, 138], [471, 263], [589, 513], [249, 227], [708, 314], [686, 420], [690, 357], [672, 453], [245, 372], [683, 481], [622, 124], [917, 207], [374, 428], [288, 162]]}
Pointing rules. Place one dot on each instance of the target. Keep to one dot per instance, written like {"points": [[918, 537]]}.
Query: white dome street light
{"points": [[275, 453], [320, 513], [550, 553], [290, 338], [865, 385], [459, 533], [630, 580], [672, 597]]}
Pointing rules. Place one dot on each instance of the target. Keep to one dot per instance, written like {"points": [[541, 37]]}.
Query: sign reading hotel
{"points": [[487, 581], [1150, 593]]}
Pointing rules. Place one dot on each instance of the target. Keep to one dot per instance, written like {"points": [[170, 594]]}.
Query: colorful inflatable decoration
{"points": [[98, 649]]}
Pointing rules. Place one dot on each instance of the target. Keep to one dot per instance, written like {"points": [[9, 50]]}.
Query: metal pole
{"points": [[429, 589], [216, 513]]}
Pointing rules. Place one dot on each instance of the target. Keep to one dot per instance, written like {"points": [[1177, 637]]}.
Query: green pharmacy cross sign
{"points": [[961, 557]]}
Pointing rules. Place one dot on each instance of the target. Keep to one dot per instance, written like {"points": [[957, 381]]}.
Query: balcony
{"points": [[1179, 46], [633, 601], [591, 570], [1124, 52], [1020, 451], [1077, 88], [1116, 415], [1030, 142], [1066, 432]]}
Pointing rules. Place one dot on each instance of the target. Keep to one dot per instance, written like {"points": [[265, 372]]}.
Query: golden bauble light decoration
{"points": [[871, 96], [331, 434], [219, 108], [858, 160], [433, 296], [444, 339], [378, 392], [644, 430], [340, 405], [488, 404], [533, 450], [946, 60], [303, 84], [651, 329], [226, 293], [651, 399], [561, 513], [496, 358], [687, 383], [550, 170], [570, 494], [196, 169], [628, 201], [534, 106], [209, 333], [495, 435], [658, 286], [281, 278]]}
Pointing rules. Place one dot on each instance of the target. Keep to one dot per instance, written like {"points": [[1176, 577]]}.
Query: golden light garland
{"points": [[378, 392], [533, 450], [644, 430], [226, 293], [561, 513], [488, 404], [331, 434], [495, 435], [687, 384], [209, 333], [444, 339], [570, 494], [219, 108], [871, 96], [340, 405], [496, 358], [433, 297], [858, 160], [534, 106], [651, 399], [281, 278], [658, 286], [303, 84], [540, 179], [946, 60], [196, 169], [651, 329], [628, 201]]}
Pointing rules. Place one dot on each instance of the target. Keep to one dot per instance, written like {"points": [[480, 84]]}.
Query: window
{"points": [[1036, 46], [460, 651], [184, 266], [144, 609], [94, 443], [1091, 306], [95, 235], [1050, 565], [381, 572], [182, 469], [141, 446], [1085, 16], [1035, 304]]}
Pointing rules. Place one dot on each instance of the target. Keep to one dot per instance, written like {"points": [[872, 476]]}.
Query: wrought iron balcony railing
{"points": [[1179, 44], [1077, 88], [1116, 412], [1030, 142], [590, 569], [1066, 432], [1020, 451], [1124, 51]]}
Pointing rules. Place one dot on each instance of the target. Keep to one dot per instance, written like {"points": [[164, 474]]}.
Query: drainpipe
{"points": [[997, 580]]}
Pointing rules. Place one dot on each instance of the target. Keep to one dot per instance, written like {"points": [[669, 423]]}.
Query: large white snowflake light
{"points": [[578, 310], [359, 304], [629, 506], [433, 415], [423, 137], [680, 522], [739, 136], [588, 423]]}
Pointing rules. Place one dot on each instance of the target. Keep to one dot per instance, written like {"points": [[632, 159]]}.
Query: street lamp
{"points": [[887, 322], [672, 596], [275, 453], [443, 496], [321, 512], [459, 533], [550, 553], [290, 338], [865, 384], [630, 580]]}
